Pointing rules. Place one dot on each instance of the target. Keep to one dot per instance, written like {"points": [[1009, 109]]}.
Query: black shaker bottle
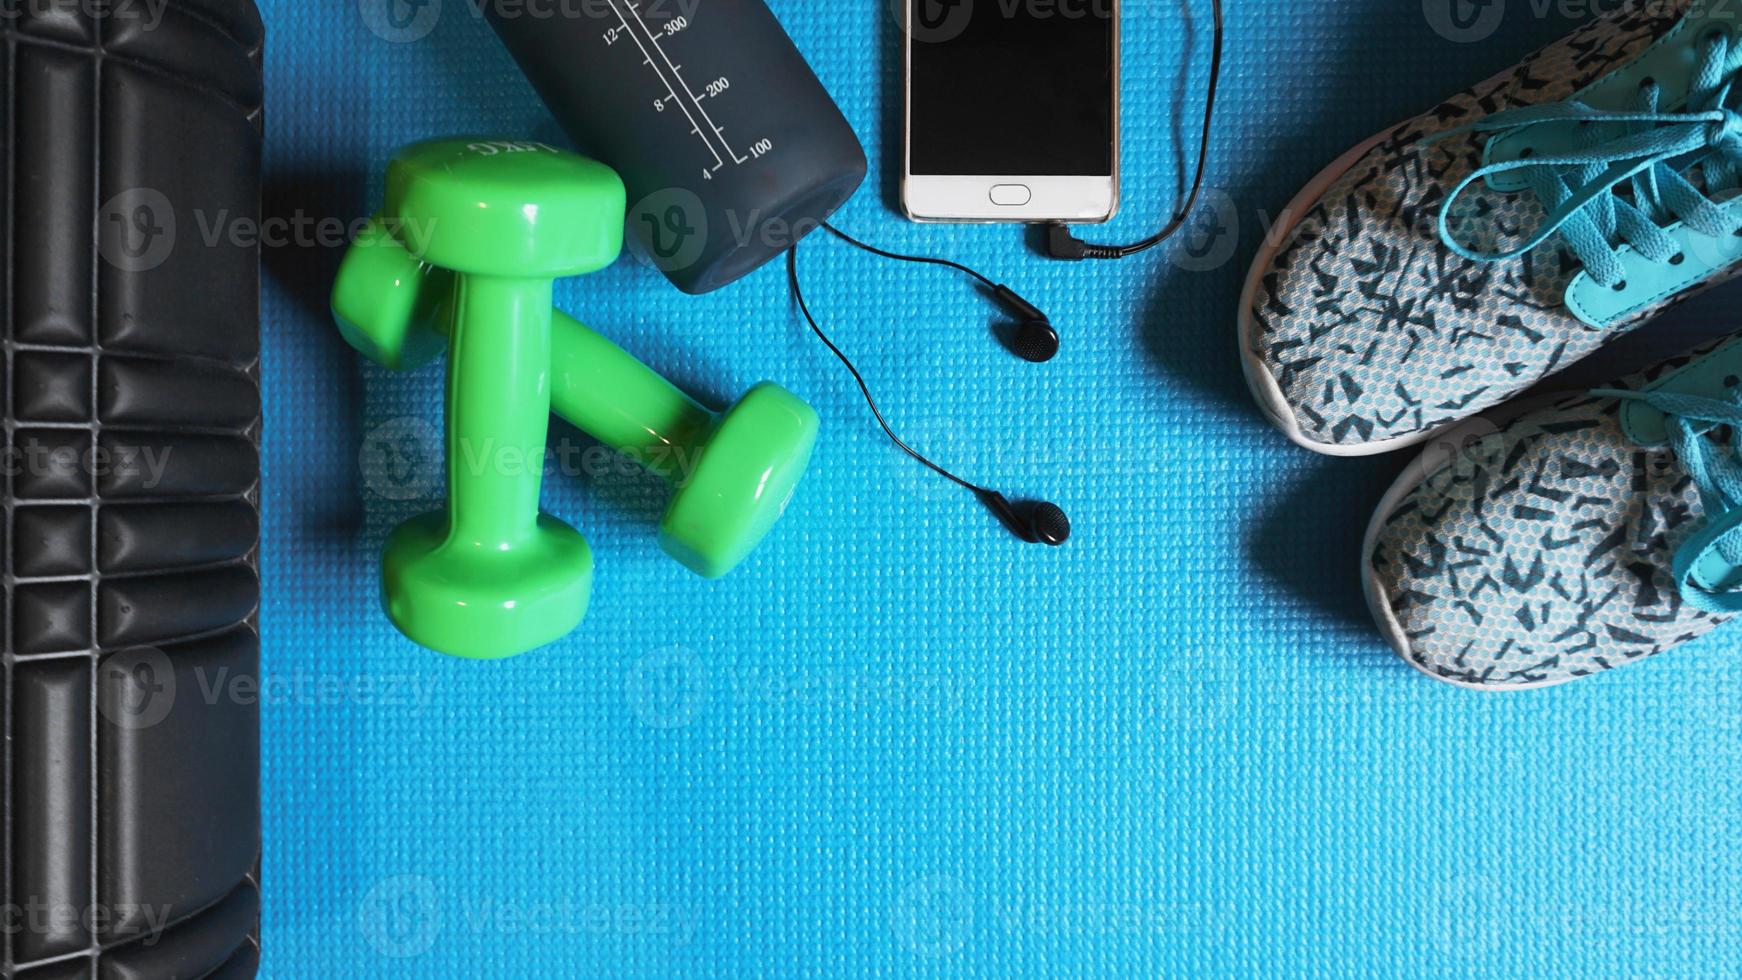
{"points": [[729, 145]]}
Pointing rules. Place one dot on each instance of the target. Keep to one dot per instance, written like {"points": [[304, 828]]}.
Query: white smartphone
{"points": [[1011, 110]]}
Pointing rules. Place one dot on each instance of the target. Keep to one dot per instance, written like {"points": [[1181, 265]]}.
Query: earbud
{"points": [[1036, 523], [1033, 339]]}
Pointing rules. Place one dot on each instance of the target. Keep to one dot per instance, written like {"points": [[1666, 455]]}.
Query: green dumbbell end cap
{"points": [[485, 603], [514, 210], [385, 301], [741, 483]]}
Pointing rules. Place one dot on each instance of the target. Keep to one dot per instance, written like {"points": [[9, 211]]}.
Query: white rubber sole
{"points": [[1265, 389], [1373, 589]]}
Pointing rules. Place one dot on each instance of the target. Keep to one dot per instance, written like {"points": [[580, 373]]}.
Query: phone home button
{"points": [[1011, 195]]}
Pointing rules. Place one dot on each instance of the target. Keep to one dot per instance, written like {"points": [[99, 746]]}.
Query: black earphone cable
{"points": [[1061, 244], [804, 307], [1033, 339], [899, 257]]}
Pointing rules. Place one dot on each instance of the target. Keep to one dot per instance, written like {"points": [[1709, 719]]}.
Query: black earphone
{"points": [[1031, 337], [1036, 522]]}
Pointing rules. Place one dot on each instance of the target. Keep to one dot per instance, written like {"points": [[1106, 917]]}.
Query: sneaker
{"points": [[1444, 266], [1581, 536]]}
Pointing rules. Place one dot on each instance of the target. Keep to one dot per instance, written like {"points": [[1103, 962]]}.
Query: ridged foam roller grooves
{"points": [[131, 777]]}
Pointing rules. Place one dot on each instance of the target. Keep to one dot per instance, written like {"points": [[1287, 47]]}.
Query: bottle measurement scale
{"points": [[650, 42], [729, 148]]}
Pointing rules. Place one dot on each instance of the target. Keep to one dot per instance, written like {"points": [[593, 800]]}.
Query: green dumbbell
{"points": [[734, 472], [491, 576]]}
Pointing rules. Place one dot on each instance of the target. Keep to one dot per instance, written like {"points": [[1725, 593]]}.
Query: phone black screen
{"points": [[1017, 87]]}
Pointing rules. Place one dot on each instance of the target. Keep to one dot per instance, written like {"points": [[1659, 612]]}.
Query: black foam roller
{"points": [[132, 419]]}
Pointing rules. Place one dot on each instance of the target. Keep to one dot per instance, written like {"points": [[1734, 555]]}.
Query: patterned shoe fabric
{"points": [[1574, 539], [1372, 324]]}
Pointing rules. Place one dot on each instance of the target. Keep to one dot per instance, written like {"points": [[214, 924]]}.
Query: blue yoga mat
{"points": [[896, 743]]}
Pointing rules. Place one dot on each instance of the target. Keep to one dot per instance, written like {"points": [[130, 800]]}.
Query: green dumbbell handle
{"points": [[498, 409], [609, 394], [725, 503]]}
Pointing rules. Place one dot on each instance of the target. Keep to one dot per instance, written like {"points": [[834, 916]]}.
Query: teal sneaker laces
{"points": [[1651, 157], [1716, 470]]}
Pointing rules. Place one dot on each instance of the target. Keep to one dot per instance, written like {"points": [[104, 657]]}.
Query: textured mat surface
{"points": [[895, 743]]}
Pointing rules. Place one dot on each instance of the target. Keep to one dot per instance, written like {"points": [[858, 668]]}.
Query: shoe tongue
{"points": [[1716, 375], [1673, 63]]}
